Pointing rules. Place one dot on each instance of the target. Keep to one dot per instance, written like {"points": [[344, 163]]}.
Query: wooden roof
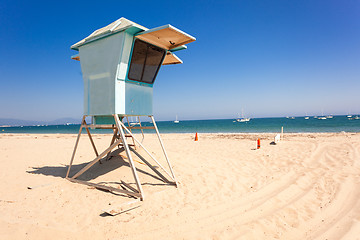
{"points": [[167, 37], [170, 58], [119, 25]]}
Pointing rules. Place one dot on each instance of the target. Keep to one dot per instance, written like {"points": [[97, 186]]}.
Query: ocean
{"points": [[255, 125]]}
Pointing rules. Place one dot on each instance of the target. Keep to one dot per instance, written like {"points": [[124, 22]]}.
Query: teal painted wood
{"points": [[128, 67], [99, 62], [104, 57], [107, 89], [103, 120], [138, 99], [120, 25], [133, 98]]}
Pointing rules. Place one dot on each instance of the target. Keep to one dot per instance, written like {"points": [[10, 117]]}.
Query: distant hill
{"points": [[19, 122]]}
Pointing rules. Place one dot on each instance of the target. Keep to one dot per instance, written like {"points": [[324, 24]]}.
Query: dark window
{"points": [[145, 62]]}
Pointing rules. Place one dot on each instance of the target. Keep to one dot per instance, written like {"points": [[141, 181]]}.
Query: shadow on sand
{"points": [[115, 162]]}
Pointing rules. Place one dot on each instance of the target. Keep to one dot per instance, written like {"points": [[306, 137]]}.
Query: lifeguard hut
{"points": [[119, 64]]}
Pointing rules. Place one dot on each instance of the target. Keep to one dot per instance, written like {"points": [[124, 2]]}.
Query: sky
{"points": [[266, 58]]}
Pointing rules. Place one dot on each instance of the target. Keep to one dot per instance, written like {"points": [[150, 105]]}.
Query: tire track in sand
{"points": [[260, 204], [294, 190]]}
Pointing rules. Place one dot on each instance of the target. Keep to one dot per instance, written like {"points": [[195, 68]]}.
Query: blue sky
{"points": [[270, 58]]}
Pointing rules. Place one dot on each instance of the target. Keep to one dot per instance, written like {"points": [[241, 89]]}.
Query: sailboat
{"points": [[132, 122], [349, 114], [242, 119], [306, 116], [322, 117], [176, 120], [354, 118]]}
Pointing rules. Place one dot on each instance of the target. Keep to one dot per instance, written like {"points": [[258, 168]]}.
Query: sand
{"points": [[305, 187]]}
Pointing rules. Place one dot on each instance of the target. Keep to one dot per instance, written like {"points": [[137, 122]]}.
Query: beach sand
{"points": [[305, 187]]}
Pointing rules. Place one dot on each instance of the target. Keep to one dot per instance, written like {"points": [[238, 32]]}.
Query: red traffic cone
{"points": [[258, 143], [196, 137]]}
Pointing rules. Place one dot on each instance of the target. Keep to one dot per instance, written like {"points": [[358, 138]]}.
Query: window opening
{"points": [[145, 62]]}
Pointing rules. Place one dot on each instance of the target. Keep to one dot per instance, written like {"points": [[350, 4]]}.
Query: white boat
{"points": [[322, 117], [242, 119], [132, 122], [330, 116], [349, 116], [306, 116], [176, 120]]}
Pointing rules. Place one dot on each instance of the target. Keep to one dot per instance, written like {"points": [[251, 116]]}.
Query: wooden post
{"points": [[112, 189], [163, 148], [141, 145], [118, 138], [91, 140], [96, 159], [150, 166], [76, 144], [112, 141], [132, 166], [142, 131]]}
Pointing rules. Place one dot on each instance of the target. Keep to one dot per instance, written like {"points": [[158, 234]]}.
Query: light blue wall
{"points": [[138, 96], [138, 99], [99, 65], [107, 90]]}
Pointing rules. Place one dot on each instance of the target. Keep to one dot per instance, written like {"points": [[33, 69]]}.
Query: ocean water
{"points": [[255, 125]]}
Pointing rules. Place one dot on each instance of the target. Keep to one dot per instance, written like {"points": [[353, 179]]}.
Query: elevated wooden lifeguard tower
{"points": [[119, 63]]}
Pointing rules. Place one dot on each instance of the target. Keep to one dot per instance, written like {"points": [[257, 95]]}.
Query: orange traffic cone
{"points": [[196, 137], [258, 143]]}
